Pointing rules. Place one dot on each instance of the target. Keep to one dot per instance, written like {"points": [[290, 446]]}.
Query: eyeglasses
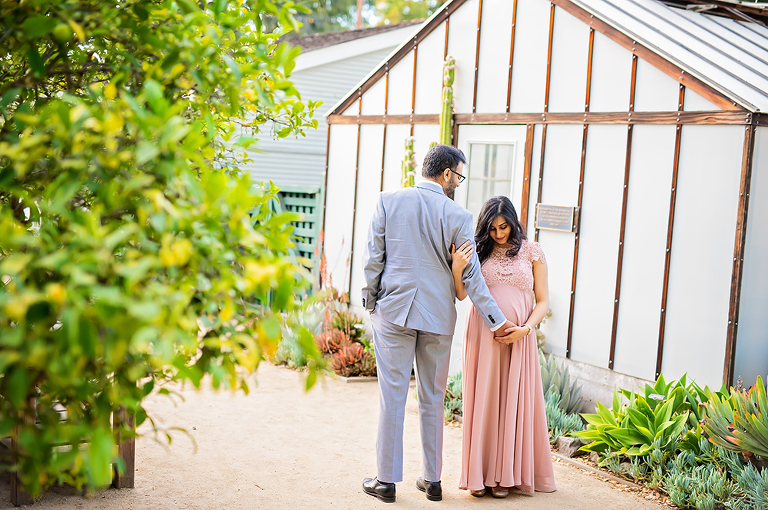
{"points": [[461, 177]]}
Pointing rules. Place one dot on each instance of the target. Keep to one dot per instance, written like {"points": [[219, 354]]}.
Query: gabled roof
{"points": [[317, 41], [722, 44]]}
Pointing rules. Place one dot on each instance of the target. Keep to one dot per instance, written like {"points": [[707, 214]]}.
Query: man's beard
{"points": [[449, 188]]}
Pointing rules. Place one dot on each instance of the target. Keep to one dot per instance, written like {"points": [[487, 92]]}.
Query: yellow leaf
{"points": [[227, 312], [110, 91], [56, 292], [78, 30], [182, 251]]}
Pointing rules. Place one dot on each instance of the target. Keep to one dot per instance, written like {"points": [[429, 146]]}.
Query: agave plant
{"points": [[559, 422], [739, 423], [554, 378]]}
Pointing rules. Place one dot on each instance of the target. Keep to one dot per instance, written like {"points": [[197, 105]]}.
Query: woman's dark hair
{"points": [[439, 158], [493, 208]]}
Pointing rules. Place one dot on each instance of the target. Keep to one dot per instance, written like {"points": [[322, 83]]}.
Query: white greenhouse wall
{"points": [[393, 158], [562, 161], [368, 186], [429, 72], [529, 70], [533, 192], [401, 86], [570, 57], [645, 238], [695, 102], [598, 244], [373, 99], [424, 135], [702, 252], [493, 62], [340, 202], [611, 76], [654, 90], [462, 42], [752, 339]]}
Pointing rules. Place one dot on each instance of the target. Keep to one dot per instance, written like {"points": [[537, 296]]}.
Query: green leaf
{"points": [[145, 152], [36, 62], [38, 26]]}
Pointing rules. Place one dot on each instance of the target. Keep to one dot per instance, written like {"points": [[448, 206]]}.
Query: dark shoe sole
{"points": [[429, 497], [385, 499]]}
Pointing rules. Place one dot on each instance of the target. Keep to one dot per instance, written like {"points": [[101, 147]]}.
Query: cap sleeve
{"points": [[536, 253]]}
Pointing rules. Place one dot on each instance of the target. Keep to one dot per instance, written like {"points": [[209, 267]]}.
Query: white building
{"points": [[645, 117]]}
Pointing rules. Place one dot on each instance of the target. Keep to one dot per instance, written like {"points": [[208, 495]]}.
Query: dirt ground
{"points": [[282, 448]]}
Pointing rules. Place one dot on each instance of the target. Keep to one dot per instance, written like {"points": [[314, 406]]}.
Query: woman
{"points": [[506, 443]]}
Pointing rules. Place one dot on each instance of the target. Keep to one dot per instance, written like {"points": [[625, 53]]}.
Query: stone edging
{"points": [[586, 467]]}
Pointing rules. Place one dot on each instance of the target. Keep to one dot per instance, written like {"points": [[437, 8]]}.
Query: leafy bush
{"points": [[132, 253], [453, 402], [559, 422], [739, 423], [556, 379]]}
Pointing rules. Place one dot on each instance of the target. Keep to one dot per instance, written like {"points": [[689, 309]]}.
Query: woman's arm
{"points": [[460, 259], [541, 290]]}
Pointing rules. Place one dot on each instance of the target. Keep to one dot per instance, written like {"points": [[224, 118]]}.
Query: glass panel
{"points": [[489, 174]]}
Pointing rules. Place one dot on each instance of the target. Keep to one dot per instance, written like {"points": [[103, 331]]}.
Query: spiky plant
{"points": [[557, 379], [559, 422], [408, 167], [446, 112], [740, 422]]}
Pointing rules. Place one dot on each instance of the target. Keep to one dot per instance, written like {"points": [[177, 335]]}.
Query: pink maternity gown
{"points": [[505, 440]]}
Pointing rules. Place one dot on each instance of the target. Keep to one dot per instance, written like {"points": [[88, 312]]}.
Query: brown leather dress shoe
{"points": [[382, 491], [433, 489]]}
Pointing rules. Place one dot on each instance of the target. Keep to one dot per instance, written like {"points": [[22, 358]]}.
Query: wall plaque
{"points": [[557, 217]]}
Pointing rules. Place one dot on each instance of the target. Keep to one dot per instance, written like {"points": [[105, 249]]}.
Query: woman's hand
{"points": [[513, 334], [461, 256]]}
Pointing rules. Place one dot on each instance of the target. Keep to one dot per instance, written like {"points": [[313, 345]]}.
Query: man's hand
{"points": [[509, 333]]}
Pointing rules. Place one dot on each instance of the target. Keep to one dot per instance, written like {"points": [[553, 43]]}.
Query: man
{"points": [[410, 295]]}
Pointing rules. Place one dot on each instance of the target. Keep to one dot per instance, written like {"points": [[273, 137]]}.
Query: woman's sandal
{"points": [[478, 494], [499, 492]]}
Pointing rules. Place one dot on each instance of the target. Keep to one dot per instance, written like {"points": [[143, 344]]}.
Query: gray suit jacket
{"points": [[407, 261]]}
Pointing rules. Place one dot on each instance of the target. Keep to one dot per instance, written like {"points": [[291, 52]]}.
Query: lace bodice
{"points": [[516, 271]]}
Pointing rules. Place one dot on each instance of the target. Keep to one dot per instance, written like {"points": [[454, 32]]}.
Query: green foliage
{"points": [[558, 380], [408, 166], [291, 350], [132, 252], [631, 429], [446, 112], [739, 423], [395, 11], [453, 403], [559, 422]]}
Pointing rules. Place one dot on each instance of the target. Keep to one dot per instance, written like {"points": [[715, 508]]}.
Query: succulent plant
{"points": [[739, 422], [408, 166], [446, 112], [554, 378], [559, 422]]}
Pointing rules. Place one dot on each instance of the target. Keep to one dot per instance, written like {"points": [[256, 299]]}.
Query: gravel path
{"points": [[282, 448]]}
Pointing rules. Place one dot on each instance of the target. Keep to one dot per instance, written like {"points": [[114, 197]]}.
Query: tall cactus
{"points": [[446, 113], [409, 165]]}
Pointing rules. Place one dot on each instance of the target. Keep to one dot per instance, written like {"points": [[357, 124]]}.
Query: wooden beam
{"points": [[325, 194], [651, 56], [477, 54], [441, 15], [628, 117], [18, 495], [126, 449], [541, 171], [447, 30], [354, 202], [413, 92], [738, 254], [624, 200], [549, 55], [511, 53], [384, 138], [527, 164], [670, 225], [585, 130]]}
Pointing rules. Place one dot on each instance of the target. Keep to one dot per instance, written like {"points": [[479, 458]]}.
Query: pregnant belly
{"points": [[516, 304]]}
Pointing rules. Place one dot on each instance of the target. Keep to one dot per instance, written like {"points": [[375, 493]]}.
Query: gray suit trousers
{"points": [[395, 348]]}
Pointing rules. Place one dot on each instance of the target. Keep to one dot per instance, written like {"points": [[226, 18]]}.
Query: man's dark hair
{"points": [[439, 158]]}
